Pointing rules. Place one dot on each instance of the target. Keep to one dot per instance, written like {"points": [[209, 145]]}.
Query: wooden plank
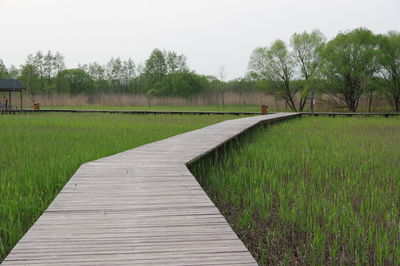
{"points": [[141, 206], [334, 114]]}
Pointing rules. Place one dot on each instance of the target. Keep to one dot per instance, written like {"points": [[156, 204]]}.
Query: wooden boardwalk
{"points": [[143, 112], [331, 114], [141, 206]]}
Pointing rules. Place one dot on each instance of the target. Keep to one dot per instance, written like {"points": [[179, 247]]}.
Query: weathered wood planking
{"points": [[141, 206]]}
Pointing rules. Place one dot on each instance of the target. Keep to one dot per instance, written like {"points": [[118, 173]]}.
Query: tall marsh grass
{"points": [[320, 191], [40, 152], [212, 101]]}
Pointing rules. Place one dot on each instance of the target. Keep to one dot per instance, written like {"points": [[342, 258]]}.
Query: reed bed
{"points": [[312, 191], [40, 152], [211, 101]]}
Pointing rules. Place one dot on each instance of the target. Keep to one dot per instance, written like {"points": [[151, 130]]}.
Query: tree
{"points": [[240, 86], [349, 63], [115, 76], [95, 70], [114, 73], [3, 70], [75, 81], [30, 77], [221, 76], [175, 63], [37, 61], [46, 67], [13, 72], [306, 52], [376, 87], [182, 84], [128, 74], [58, 64], [159, 64], [276, 65], [141, 79], [389, 60], [156, 66], [97, 73]]}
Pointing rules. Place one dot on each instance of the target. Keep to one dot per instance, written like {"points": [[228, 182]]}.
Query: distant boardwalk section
{"points": [[141, 206]]}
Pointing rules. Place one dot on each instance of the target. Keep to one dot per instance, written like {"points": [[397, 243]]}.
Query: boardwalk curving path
{"points": [[141, 206]]}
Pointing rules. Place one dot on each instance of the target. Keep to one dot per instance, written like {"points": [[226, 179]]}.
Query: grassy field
{"points": [[40, 152], [320, 191]]}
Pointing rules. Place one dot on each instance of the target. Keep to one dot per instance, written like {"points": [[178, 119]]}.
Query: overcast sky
{"points": [[211, 33]]}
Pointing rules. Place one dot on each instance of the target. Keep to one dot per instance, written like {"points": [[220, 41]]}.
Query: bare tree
{"points": [[221, 76]]}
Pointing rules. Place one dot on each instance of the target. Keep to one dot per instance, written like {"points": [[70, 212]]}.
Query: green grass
{"points": [[40, 152], [320, 191]]}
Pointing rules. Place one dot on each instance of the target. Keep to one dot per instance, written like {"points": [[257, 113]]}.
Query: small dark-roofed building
{"points": [[11, 85]]}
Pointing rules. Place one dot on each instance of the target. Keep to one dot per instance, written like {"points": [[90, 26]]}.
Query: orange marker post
{"points": [[264, 109]]}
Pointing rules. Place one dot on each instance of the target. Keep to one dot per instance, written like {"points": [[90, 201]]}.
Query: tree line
{"points": [[164, 73], [352, 65]]}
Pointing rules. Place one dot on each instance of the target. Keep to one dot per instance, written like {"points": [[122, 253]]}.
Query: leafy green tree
{"points": [[128, 75], [3, 70], [46, 67], [182, 84], [116, 76], [214, 84], [155, 66], [389, 60], [37, 61], [306, 53], [114, 73], [58, 64], [98, 74], [174, 62], [376, 87], [48, 70], [276, 65], [158, 65], [75, 81], [95, 70], [31, 78], [141, 80], [349, 63], [13, 72]]}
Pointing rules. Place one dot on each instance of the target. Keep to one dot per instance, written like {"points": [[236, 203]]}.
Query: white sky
{"points": [[210, 33]]}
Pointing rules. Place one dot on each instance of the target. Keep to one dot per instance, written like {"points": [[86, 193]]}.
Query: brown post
{"points": [[21, 99], [9, 99], [264, 109]]}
